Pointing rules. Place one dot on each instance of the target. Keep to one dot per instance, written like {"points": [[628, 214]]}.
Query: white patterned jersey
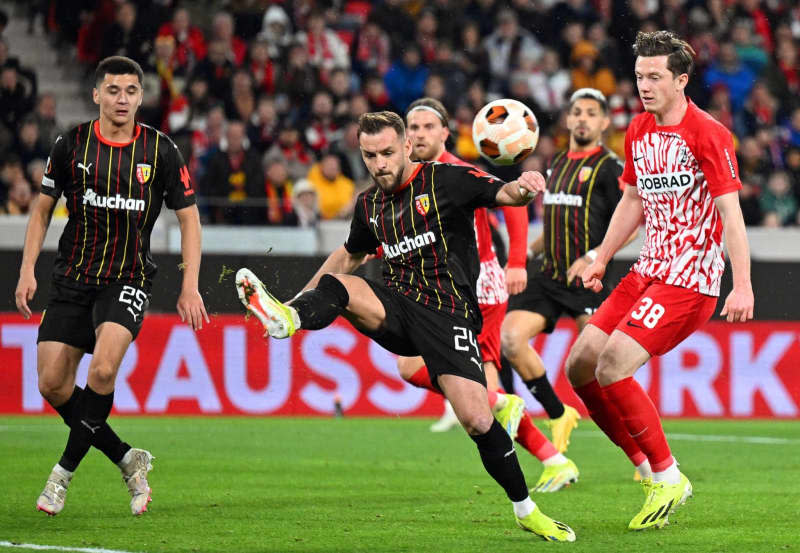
{"points": [[678, 170]]}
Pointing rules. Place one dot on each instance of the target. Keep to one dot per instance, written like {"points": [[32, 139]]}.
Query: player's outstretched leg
{"points": [[134, 467], [662, 499]]}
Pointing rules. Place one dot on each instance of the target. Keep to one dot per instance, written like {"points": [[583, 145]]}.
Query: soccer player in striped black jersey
{"points": [[582, 192], [681, 178], [421, 215], [115, 175], [427, 123]]}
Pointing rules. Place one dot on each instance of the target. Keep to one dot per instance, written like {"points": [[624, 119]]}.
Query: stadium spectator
{"points": [[349, 154], [216, 70], [759, 110], [262, 128], [449, 70], [300, 79], [265, 71], [782, 75], [234, 179], [405, 80], [549, 84], [16, 100], [325, 50], [188, 111], [19, 198], [750, 53], [206, 140], [427, 25], [276, 32], [749, 201], [589, 71], [339, 88], [34, 172], [730, 71], [278, 190], [126, 37], [791, 128], [240, 100], [335, 191], [376, 95], [304, 203], [190, 43], [164, 79], [235, 49], [506, 45], [371, 50], [778, 202], [289, 148], [321, 130], [45, 116], [720, 106], [471, 56], [394, 20], [29, 146]]}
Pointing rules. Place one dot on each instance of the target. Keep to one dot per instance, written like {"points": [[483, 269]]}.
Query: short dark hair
{"points": [[117, 65], [589, 94], [431, 103], [665, 43], [375, 121]]}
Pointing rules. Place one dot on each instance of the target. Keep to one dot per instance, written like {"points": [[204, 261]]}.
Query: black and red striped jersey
{"points": [[427, 234], [113, 193], [582, 192]]}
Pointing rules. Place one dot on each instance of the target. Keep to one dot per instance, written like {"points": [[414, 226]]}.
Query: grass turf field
{"points": [[389, 485]]}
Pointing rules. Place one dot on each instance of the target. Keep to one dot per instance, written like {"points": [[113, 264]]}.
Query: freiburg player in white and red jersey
{"points": [[427, 124], [681, 177]]}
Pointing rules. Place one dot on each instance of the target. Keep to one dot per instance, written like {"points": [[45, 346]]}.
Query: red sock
{"points": [[642, 421], [532, 439], [609, 419], [492, 399], [421, 379]]}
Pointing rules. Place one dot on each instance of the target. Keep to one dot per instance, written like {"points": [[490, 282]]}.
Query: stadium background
{"points": [[276, 189]]}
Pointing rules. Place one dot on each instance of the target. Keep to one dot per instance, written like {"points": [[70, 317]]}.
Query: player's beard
{"points": [[395, 182], [583, 140]]}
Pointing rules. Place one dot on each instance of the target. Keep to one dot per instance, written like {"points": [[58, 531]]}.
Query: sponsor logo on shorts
{"points": [[91, 198], [406, 244], [559, 198], [665, 182]]}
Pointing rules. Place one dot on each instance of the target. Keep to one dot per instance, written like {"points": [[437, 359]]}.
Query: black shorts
{"points": [[552, 298], [74, 310], [447, 344]]}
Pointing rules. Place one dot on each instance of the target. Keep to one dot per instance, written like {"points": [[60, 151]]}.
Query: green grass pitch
{"points": [[389, 485]]}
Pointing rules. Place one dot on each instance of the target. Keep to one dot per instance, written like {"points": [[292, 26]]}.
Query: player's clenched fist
{"points": [[531, 183], [592, 276]]}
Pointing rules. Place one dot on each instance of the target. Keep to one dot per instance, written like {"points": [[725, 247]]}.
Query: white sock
{"points": [[524, 508], [644, 469], [671, 475], [63, 472], [557, 459]]}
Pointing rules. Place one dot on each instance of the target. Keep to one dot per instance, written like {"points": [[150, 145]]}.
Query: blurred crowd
{"points": [[262, 97]]}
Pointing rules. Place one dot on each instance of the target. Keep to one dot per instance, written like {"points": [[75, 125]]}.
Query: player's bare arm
{"points": [[522, 190], [38, 222], [627, 217], [739, 303], [340, 261], [578, 266], [190, 302]]}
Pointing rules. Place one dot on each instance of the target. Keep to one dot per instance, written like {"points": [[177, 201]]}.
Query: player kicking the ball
{"points": [[428, 131], [681, 177], [421, 214]]}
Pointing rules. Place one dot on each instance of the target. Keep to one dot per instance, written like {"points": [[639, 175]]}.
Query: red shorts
{"points": [[658, 316], [489, 338]]}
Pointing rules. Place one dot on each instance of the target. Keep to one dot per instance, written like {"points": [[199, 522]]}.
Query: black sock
{"points": [[319, 307], [500, 461], [506, 374], [104, 439], [543, 392], [90, 414]]}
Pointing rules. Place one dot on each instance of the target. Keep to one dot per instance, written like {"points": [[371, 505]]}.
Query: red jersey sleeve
{"points": [[628, 174], [717, 159], [517, 227]]}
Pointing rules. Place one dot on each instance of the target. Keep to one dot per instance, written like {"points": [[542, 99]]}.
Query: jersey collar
{"points": [[136, 132], [408, 181], [581, 155]]}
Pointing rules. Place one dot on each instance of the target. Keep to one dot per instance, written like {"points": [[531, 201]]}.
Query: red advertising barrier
{"points": [[723, 370]]}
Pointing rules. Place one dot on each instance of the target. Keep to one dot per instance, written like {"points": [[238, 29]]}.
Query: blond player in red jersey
{"points": [[681, 178], [426, 120]]}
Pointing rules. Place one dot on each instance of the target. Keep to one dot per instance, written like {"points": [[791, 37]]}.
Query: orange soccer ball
{"points": [[505, 131]]}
